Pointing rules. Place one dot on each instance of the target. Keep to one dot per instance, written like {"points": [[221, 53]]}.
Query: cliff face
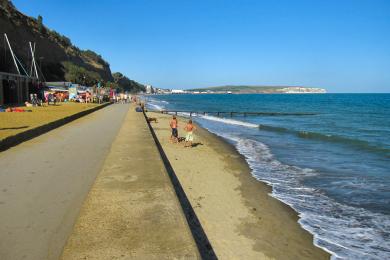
{"points": [[56, 50]]}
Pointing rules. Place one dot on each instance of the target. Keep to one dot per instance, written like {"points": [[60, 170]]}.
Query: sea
{"points": [[325, 155]]}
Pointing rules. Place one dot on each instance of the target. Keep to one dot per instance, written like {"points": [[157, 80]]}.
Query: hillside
{"points": [[60, 58], [261, 89], [125, 84]]}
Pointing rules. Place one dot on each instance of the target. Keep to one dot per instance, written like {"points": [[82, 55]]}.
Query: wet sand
{"points": [[239, 217]]}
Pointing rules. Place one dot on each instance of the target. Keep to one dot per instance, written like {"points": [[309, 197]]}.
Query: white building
{"points": [[149, 89], [178, 91]]}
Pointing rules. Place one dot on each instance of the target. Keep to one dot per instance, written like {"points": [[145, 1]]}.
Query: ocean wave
{"points": [[274, 128], [364, 145], [160, 105], [344, 231], [329, 138], [154, 106], [229, 121]]}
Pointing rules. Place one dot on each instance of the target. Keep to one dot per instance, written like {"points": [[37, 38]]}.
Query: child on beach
{"points": [[189, 137], [174, 124]]}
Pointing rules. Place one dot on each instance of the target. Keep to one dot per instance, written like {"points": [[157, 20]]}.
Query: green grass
{"points": [[12, 123]]}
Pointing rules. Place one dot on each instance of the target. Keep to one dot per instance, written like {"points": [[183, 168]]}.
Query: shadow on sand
{"points": [[196, 144], [202, 242]]}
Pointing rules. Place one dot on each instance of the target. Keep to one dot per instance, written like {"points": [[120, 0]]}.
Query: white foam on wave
{"points": [[184, 114], [155, 106], [229, 121], [160, 105], [344, 231]]}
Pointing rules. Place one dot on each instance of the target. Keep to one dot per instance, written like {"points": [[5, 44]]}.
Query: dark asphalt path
{"points": [[43, 183]]}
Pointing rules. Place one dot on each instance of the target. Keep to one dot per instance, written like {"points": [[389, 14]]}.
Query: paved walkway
{"points": [[132, 210], [43, 183]]}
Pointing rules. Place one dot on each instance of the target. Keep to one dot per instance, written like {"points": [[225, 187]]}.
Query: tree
{"points": [[111, 85], [126, 84], [40, 23], [80, 75], [95, 57], [66, 41]]}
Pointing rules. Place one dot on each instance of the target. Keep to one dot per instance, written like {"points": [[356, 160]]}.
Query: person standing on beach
{"points": [[189, 128], [174, 124]]}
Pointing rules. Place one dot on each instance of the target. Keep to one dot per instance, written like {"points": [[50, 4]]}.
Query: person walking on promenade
{"points": [[189, 128], [48, 97], [174, 124], [51, 98], [87, 97], [36, 101], [32, 99]]}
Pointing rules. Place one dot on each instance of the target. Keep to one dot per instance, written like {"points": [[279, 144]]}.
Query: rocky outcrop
{"points": [[53, 50]]}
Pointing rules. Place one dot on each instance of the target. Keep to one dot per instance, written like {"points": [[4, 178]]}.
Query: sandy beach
{"points": [[235, 210]]}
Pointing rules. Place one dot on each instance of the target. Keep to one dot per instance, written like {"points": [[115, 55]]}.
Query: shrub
{"points": [[80, 75], [40, 23]]}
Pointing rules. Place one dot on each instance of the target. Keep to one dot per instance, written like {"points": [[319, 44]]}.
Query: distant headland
{"points": [[242, 89]]}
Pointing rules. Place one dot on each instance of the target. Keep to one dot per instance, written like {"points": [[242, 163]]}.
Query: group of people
{"points": [[50, 98], [56, 98], [122, 98], [89, 97], [34, 101], [189, 128], [53, 98]]}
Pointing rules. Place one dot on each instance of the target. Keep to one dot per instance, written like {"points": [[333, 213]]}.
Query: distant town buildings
{"points": [[178, 91], [162, 91]]}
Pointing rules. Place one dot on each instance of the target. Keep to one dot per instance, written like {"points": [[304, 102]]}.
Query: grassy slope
{"points": [[12, 123]]}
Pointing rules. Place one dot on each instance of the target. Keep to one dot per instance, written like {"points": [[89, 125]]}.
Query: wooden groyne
{"points": [[234, 113]]}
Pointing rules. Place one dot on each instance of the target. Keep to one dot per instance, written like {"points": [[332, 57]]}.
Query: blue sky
{"points": [[340, 45]]}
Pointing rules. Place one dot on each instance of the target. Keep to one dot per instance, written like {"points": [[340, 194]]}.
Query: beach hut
{"points": [[15, 89]]}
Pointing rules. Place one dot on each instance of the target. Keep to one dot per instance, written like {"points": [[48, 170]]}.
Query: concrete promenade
{"points": [[132, 210], [44, 181]]}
